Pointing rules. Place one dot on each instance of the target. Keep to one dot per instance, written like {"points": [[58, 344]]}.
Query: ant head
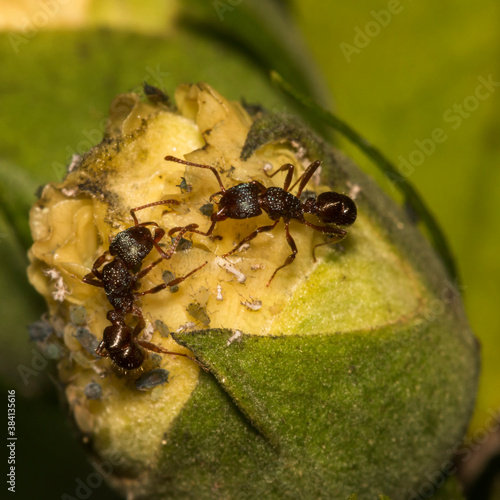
{"points": [[132, 245], [335, 208]]}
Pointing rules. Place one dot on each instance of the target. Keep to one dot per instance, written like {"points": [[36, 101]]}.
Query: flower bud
{"points": [[354, 363]]}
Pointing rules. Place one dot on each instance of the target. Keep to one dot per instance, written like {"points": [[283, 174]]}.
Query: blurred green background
{"points": [[394, 70]]}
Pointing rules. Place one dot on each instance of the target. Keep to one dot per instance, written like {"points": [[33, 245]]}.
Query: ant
{"points": [[249, 199], [128, 249], [121, 343]]}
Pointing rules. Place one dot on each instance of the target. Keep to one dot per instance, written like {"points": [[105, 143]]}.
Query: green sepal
{"points": [[336, 413]]}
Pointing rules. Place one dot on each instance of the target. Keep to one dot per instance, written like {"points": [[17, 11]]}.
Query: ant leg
{"points": [[162, 202], [306, 176], [146, 270], [155, 289], [251, 236], [291, 257], [212, 196], [100, 350], [341, 233], [289, 174], [173, 282], [137, 312], [213, 169], [155, 348], [191, 228], [95, 277], [159, 233], [181, 228], [95, 269], [176, 281], [331, 242], [141, 324], [91, 280]]}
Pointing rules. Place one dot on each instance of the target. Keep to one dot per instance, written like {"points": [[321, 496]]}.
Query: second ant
{"points": [[250, 199]]}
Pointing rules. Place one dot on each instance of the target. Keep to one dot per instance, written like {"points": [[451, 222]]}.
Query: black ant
{"points": [[121, 343], [249, 199], [128, 249], [126, 252]]}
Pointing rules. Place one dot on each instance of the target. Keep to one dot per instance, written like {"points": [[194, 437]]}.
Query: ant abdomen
{"points": [[130, 357], [332, 208], [118, 340]]}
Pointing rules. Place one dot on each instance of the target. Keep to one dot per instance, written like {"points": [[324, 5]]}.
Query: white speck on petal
{"points": [[241, 278], [60, 288], [252, 305], [186, 326], [219, 296]]}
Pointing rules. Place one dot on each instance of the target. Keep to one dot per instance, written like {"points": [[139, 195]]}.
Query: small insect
{"points": [[250, 199], [199, 313], [120, 282], [155, 95], [152, 379], [93, 390]]}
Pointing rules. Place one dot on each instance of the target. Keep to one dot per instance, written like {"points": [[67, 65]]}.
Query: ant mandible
{"points": [[249, 199], [128, 249]]}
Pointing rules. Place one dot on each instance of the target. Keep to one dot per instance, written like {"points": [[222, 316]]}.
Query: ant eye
{"points": [[336, 208]]}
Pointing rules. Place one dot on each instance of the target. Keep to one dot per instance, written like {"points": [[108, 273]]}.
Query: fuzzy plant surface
{"points": [[350, 376]]}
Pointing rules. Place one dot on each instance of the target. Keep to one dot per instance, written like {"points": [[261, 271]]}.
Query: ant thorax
{"points": [[278, 203]]}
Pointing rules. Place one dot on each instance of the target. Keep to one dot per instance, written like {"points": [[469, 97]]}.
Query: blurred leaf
{"points": [[62, 108], [264, 28], [17, 192], [412, 198], [397, 89]]}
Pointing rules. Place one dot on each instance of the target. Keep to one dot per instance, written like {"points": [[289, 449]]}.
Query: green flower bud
{"points": [[343, 372]]}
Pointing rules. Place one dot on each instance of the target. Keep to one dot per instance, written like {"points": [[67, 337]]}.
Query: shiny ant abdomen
{"points": [[121, 343], [250, 199]]}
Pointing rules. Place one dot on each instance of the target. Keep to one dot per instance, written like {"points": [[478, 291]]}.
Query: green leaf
{"points": [[17, 194], [298, 392], [264, 28]]}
